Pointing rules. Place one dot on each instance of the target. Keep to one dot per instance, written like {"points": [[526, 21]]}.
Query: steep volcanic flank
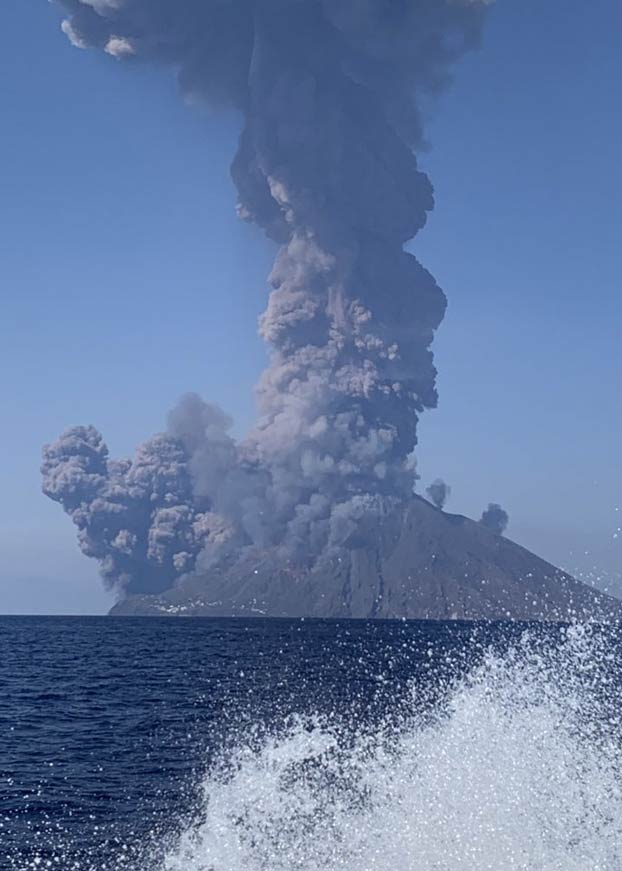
{"points": [[417, 563]]}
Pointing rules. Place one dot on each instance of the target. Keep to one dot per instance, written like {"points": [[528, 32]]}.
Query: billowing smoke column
{"points": [[438, 493], [328, 91], [495, 518]]}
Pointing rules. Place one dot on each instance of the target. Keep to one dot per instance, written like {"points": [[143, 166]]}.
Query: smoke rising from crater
{"points": [[495, 518], [329, 93], [438, 493]]}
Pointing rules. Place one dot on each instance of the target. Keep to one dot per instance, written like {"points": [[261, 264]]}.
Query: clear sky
{"points": [[126, 279]]}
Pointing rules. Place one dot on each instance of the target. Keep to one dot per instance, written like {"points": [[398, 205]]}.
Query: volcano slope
{"points": [[418, 563]]}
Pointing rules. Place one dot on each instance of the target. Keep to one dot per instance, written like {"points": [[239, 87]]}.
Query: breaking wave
{"points": [[518, 766]]}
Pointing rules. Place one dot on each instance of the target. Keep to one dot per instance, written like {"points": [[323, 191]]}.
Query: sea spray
{"points": [[380, 746], [518, 767]]}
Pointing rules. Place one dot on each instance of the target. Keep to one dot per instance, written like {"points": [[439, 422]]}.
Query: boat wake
{"points": [[519, 767]]}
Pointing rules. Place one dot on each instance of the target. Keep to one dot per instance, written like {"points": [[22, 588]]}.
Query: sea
{"points": [[306, 745]]}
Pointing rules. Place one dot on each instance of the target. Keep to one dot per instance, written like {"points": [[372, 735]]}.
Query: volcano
{"points": [[416, 563]]}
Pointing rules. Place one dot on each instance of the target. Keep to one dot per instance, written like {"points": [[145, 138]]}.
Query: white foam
{"points": [[519, 770]]}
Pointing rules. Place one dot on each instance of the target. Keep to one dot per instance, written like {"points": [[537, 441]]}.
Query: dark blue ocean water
{"points": [[109, 728]]}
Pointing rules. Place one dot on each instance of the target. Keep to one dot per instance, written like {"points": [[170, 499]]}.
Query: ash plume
{"points": [[495, 518], [329, 95], [142, 519], [438, 493]]}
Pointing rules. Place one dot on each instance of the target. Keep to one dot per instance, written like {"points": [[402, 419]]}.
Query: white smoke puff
{"points": [[182, 561], [125, 541], [73, 35], [103, 6], [120, 47], [279, 192]]}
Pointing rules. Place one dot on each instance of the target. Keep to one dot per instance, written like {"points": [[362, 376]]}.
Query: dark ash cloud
{"points": [[438, 493], [495, 518], [328, 92]]}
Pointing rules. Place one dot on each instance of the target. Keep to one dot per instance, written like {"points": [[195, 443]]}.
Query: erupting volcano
{"points": [[319, 498]]}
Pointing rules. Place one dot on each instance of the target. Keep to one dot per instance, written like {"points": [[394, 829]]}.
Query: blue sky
{"points": [[127, 280]]}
